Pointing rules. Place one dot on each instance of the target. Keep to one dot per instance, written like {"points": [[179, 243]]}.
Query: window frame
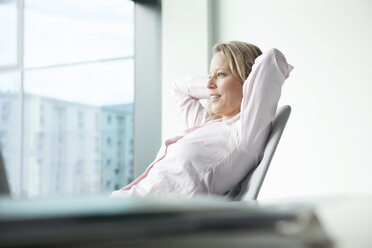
{"points": [[147, 86]]}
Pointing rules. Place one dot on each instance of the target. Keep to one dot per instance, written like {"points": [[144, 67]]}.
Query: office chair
{"points": [[250, 186]]}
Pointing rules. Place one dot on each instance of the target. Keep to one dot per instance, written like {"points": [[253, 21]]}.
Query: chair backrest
{"points": [[4, 186], [250, 186]]}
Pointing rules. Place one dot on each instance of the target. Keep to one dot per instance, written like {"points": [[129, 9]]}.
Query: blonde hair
{"points": [[240, 57]]}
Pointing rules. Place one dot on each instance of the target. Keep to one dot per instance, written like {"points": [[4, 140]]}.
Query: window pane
{"points": [[8, 33], [65, 31], [9, 128], [79, 128]]}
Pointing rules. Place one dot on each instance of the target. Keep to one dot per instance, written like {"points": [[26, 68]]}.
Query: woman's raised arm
{"points": [[187, 93], [261, 93]]}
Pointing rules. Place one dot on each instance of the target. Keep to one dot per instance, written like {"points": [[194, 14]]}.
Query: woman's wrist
{"points": [[197, 87]]}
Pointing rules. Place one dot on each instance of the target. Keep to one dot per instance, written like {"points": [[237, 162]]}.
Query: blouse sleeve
{"points": [[261, 93], [187, 93]]}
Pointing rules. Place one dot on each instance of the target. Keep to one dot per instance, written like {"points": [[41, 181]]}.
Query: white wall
{"points": [[185, 46], [327, 144]]}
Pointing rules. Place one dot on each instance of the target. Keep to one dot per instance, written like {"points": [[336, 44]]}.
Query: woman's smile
{"points": [[214, 98]]}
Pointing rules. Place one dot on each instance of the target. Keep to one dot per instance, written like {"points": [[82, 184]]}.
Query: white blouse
{"points": [[212, 156]]}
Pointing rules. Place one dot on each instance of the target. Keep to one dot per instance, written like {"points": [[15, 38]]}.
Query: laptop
{"points": [[4, 186]]}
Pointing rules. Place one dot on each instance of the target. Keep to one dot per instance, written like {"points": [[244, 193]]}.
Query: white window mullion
{"points": [[8, 68], [20, 65]]}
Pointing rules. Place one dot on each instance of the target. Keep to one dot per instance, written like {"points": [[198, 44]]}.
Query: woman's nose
{"points": [[211, 84]]}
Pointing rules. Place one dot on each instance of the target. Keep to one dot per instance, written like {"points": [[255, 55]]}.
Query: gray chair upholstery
{"points": [[250, 186]]}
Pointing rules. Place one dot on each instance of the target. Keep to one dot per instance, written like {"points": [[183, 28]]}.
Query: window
{"points": [[64, 65], [80, 117], [5, 111], [8, 27]]}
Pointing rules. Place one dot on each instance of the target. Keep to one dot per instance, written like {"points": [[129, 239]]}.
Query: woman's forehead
{"points": [[219, 62]]}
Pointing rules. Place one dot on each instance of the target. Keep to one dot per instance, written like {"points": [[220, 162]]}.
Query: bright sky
{"points": [[71, 31]]}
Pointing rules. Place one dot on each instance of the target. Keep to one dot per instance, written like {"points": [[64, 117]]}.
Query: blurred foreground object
{"points": [[157, 222]]}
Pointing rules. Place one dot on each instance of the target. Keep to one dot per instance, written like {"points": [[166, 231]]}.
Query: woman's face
{"points": [[225, 91]]}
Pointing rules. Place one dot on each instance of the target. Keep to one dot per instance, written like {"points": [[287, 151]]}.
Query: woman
{"points": [[219, 146]]}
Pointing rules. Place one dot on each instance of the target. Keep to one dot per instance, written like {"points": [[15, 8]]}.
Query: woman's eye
{"points": [[220, 74]]}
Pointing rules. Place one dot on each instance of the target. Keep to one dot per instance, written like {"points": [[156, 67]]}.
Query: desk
{"points": [[158, 222]]}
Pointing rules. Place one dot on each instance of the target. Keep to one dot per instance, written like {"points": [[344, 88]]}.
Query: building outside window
{"points": [[65, 66]]}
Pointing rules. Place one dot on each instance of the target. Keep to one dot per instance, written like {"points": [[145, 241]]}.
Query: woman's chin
{"points": [[216, 111]]}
